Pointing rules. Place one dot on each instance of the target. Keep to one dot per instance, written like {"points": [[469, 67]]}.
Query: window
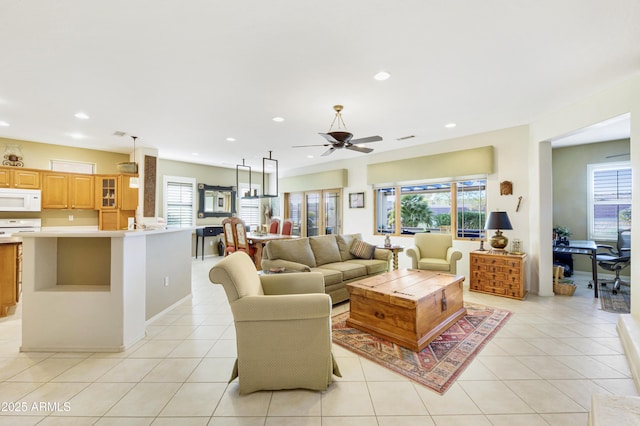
{"points": [[609, 199], [471, 203], [429, 207], [179, 204], [250, 207]]}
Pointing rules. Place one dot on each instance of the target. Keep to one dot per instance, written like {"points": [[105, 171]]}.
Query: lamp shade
{"points": [[498, 220]]}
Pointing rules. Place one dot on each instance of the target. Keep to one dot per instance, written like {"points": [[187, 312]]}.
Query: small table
{"points": [[585, 247], [410, 307], [395, 249], [207, 231]]}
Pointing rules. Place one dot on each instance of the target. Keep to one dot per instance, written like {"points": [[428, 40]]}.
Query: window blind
{"points": [[610, 195], [179, 204]]}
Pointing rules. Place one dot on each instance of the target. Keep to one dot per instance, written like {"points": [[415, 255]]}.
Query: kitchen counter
{"points": [[86, 290]]}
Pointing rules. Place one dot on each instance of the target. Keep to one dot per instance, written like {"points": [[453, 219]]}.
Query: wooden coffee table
{"points": [[410, 307]]}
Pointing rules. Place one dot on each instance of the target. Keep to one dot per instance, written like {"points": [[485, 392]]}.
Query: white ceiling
{"points": [[183, 75]]}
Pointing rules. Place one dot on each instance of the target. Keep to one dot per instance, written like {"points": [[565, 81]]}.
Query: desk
{"points": [[585, 247], [394, 250], [259, 240], [207, 231]]}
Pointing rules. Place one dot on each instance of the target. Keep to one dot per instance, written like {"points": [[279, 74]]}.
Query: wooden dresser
{"points": [[499, 274]]}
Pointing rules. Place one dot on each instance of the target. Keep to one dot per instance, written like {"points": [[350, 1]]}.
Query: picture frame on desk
{"points": [[356, 200]]}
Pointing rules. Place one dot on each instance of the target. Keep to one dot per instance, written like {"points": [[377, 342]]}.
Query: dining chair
{"points": [[287, 227], [274, 227], [240, 235], [228, 236]]}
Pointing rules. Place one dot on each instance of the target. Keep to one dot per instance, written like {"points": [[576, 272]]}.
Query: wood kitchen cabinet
{"points": [[10, 265], [68, 191], [115, 200], [12, 177]]}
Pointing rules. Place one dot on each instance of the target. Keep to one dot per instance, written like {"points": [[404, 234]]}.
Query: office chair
{"points": [[616, 259]]}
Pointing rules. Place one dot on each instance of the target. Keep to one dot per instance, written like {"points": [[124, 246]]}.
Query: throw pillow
{"points": [[362, 249]]}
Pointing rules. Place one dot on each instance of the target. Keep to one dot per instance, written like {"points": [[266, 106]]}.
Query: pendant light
{"points": [[134, 182]]}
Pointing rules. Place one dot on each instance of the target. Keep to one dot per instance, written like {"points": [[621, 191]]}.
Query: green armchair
{"points": [[283, 326], [434, 252]]}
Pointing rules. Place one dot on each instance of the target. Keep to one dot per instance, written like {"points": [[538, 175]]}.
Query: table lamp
{"points": [[498, 221]]}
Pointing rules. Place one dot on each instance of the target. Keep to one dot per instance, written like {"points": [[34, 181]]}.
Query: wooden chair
{"points": [[240, 235], [274, 227], [287, 227], [228, 236]]}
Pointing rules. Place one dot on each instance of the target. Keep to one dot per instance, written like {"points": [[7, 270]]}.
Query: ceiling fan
{"points": [[341, 138]]}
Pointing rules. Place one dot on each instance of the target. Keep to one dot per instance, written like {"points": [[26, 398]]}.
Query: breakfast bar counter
{"points": [[94, 291]]}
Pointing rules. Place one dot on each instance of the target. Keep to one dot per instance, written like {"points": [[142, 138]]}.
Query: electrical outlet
{"points": [[70, 218], [211, 243], [166, 281]]}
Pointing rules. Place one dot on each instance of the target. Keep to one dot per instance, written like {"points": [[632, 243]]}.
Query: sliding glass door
{"points": [[315, 212]]}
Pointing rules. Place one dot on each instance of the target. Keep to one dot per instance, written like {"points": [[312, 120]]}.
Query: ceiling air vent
{"points": [[119, 133]]}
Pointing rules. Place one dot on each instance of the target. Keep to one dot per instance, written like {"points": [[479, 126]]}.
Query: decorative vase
{"points": [[387, 241]]}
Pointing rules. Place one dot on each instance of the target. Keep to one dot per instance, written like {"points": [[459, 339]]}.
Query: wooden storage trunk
{"points": [[409, 307]]}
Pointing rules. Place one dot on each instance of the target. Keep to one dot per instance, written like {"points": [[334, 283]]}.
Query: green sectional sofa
{"points": [[340, 258]]}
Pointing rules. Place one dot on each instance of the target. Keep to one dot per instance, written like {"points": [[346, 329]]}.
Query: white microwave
{"points": [[20, 200]]}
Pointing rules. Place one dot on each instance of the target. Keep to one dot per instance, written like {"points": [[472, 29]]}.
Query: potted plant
{"points": [[561, 235]]}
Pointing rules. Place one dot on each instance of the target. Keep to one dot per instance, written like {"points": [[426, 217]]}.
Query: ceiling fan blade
{"points": [[327, 152], [367, 140], [304, 146], [329, 138], [359, 148]]}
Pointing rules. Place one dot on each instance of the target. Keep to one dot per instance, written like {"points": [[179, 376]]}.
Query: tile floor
{"points": [[540, 369]]}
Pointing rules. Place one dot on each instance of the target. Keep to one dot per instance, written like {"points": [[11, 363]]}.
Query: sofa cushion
{"points": [[344, 244], [331, 276], [374, 266], [325, 249], [362, 249], [294, 250], [349, 270], [433, 264]]}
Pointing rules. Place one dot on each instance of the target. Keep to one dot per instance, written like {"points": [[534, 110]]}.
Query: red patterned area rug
{"points": [[439, 364]]}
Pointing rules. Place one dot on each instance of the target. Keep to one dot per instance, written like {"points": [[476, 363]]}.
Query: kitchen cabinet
{"points": [[68, 191], [10, 265], [12, 177], [115, 200]]}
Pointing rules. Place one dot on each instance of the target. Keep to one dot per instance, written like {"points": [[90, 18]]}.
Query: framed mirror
{"points": [[216, 201]]}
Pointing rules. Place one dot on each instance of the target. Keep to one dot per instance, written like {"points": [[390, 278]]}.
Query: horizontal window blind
{"points": [[610, 198], [179, 198], [250, 208]]}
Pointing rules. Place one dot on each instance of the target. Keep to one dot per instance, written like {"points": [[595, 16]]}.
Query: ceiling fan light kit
{"points": [[342, 138]]}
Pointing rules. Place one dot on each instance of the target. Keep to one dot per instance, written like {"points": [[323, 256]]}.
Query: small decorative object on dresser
{"points": [[499, 274]]}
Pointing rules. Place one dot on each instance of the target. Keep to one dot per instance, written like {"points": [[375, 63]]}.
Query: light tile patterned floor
{"points": [[540, 369]]}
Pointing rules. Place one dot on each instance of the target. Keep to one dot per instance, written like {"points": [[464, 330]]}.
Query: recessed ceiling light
{"points": [[195, 154], [231, 139], [4, 124], [450, 125], [309, 156], [77, 135], [278, 119], [382, 76], [81, 116]]}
